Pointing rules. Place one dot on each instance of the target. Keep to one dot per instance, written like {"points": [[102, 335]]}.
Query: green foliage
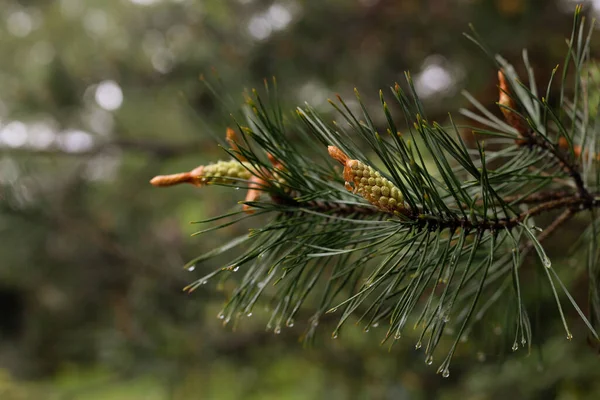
{"points": [[91, 255], [468, 224]]}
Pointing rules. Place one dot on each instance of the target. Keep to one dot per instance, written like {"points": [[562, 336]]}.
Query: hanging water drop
{"points": [[569, 336], [334, 335], [221, 315], [237, 188], [446, 373], [515, 346], [547, 263], [236, 269], [398, 335], [249, 314], [290, 322], [429, 360], [277, 330], [418, 345], [191, 268], [375, 325]]}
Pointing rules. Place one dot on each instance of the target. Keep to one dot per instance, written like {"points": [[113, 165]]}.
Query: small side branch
{"points": [[528, 138], [562, 158]]}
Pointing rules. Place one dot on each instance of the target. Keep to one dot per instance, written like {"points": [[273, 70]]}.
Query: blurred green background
{"points": [[98, 96]]}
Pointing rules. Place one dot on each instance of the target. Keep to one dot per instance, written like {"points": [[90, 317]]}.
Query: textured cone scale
{"points": [[221, 170], [366, 181]]}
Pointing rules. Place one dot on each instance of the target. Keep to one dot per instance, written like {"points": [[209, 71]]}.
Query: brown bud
{"points": [[254, 192], [173, 179], [231, 138], [505, 100]]}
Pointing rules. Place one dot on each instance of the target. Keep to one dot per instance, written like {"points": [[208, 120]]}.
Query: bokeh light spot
{"points": [[109, 95]]}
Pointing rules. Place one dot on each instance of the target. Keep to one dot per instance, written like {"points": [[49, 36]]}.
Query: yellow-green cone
{"points": [[220, 171], [366, 181]]}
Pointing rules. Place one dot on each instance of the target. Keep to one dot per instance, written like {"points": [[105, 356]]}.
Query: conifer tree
{"points": [[411, 226]]}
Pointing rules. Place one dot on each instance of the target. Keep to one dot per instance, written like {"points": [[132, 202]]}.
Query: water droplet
{"points": [[446, 373], [429, 360], [515, 346], [367, 328], [226, 321], [398, 335], [277, 330], [333, 310], [221, 315], [289, 323], [334, 335], [418, 345], [523, 342], [547, 263], [237, 188], [191, 268], [236, 269], [375, 325], [569, 336], [249, 314]]}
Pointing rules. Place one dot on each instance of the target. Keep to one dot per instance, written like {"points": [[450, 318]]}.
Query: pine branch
{"points": [[418, 227]]}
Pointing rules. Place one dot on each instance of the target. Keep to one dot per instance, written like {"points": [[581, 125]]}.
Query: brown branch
{"points": [[571, 204], [574, 203]]}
